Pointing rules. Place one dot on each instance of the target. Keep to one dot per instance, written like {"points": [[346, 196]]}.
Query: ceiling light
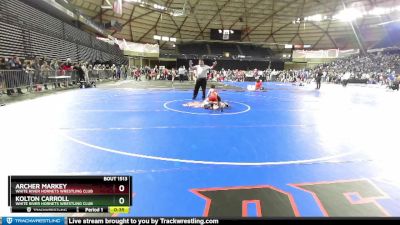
{"points": [[348, 14], [157, 37], [379, 11], [316, 18], [176, 12]]}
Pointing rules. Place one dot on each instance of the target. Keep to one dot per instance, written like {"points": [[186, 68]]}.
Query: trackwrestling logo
{"points": [[33, 220]]}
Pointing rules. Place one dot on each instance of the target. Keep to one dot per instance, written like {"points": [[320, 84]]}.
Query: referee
{"points": [[201, 81], [318, 78]]}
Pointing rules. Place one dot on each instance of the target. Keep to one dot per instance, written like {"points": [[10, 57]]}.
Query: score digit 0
{"points": [[121, 188], [121, 200]]}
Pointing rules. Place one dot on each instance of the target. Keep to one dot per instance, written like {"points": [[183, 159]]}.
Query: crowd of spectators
{"points": [[377, 68], [374, 68], [38, 73], [15, 74]]}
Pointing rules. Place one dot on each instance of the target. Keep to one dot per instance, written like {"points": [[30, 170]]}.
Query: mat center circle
{"points": [[233, 109]]}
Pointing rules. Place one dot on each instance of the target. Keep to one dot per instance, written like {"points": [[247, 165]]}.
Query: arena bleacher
{"points": [[35, 33], [229, 55]]}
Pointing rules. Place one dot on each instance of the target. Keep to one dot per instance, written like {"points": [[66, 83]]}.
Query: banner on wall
{"points": [[134, 49], [323, 54]]}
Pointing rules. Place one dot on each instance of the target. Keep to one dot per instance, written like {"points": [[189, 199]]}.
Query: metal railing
{"points": [[38, 80]]}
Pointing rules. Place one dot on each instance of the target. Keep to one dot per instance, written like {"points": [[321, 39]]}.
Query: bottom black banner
{"points": [[59, 209], [206, 221]]}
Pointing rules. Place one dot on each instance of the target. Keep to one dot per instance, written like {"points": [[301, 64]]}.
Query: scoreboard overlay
{"points": [[89, 194]]}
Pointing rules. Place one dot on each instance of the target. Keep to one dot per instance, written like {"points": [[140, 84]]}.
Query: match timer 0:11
{"points": [[69, 193]]}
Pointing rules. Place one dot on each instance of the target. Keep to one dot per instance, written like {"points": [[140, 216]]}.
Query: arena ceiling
{"points": [[268, 22]]}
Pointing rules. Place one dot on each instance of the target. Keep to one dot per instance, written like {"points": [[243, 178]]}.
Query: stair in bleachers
{"points": [[208, 49], [239, 49]]}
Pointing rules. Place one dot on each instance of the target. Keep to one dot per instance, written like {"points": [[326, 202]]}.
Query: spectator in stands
{"points": [[318, 78], [55, 70], [45, 72], [201, 71], [157, 72], [114, 71], [229, 74], [85, 70], [153, 74], [173, 74], [36, 66], [391, 78], [67, 66], [148, 71], [181, 72], [242, 75], [210, 75], [30, 72], [345, 79], [54, 66], [118, 72], [137, 74], [67, 70], [3, 64], [191, 74], [15, 77], [79, 72], [165, 73], [224, 74], [218, 76], [3, 67], [255, 73], [124, 72], [45, 59], [144, 70]]}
